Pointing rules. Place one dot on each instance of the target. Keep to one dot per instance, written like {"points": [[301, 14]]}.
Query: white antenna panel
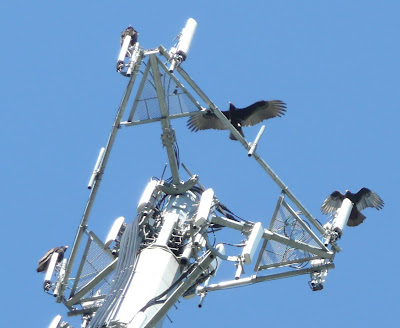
{"points": [[56, 321], [52, 265], [116, 227], [96, 167], [204, 207], [214, 264], [147, 195], [252, 243]]}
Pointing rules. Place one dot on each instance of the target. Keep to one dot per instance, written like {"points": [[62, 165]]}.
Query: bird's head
{"points": [[231, 106]]}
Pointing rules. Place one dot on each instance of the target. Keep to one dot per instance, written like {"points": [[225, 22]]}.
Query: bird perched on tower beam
{"points": [[362, 199], [45, 260], [248, 116]]}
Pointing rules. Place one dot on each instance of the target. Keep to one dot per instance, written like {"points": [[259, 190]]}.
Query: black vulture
{"points": [[129, 31], [362, 199], [45, 260], [248, 116]]}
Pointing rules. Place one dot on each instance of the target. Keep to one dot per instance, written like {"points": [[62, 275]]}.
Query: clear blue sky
{"points": [[336, 65]]}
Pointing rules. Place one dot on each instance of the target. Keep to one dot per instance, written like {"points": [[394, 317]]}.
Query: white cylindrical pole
{"points": [[186, 37], [179, 53], [343, 215], [124, 48], [256, 140], [50, 268]]}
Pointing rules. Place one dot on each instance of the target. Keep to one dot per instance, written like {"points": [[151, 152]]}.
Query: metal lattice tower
{"points": [[165, 252]]}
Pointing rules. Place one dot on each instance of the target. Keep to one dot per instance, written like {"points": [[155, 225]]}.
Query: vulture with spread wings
{"points": [[362, 199], [248, 116]]}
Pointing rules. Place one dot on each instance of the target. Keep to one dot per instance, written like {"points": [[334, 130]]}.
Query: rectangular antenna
{"points": [[96, 167], [252, 243], [204, 207]]}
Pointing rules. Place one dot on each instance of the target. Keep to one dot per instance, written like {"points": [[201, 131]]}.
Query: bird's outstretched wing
{"points": [[260, 111], [206, 119], [367, 198], [43, 261], [332, 202], [47, 256]]}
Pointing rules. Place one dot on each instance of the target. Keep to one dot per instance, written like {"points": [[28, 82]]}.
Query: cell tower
{"points": [[139, 272]]}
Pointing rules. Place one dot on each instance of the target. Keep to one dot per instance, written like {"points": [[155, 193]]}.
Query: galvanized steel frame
{"points": [[155, 63]]}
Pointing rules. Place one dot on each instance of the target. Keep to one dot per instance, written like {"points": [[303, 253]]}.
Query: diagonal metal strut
{"points": [[168, 133]]}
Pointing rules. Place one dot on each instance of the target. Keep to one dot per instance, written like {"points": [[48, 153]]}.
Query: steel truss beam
{"points": [[269, 235], [168, 135], [254, 279]]}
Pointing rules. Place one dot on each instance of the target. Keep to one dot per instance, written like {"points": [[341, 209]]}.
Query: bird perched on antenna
{"points": [[362, 199], [45, 260], [248, 116], [129, 31]]}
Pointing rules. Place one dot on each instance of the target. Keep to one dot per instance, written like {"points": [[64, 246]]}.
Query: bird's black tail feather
{"points": [[239, 128]]}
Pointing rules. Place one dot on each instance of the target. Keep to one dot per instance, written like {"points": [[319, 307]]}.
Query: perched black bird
{"points": [[362, 199], [129, 31], [248, 116], [45, 260]]}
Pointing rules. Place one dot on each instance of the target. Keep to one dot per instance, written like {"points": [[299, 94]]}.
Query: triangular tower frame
{"points": [[157, 107]]}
